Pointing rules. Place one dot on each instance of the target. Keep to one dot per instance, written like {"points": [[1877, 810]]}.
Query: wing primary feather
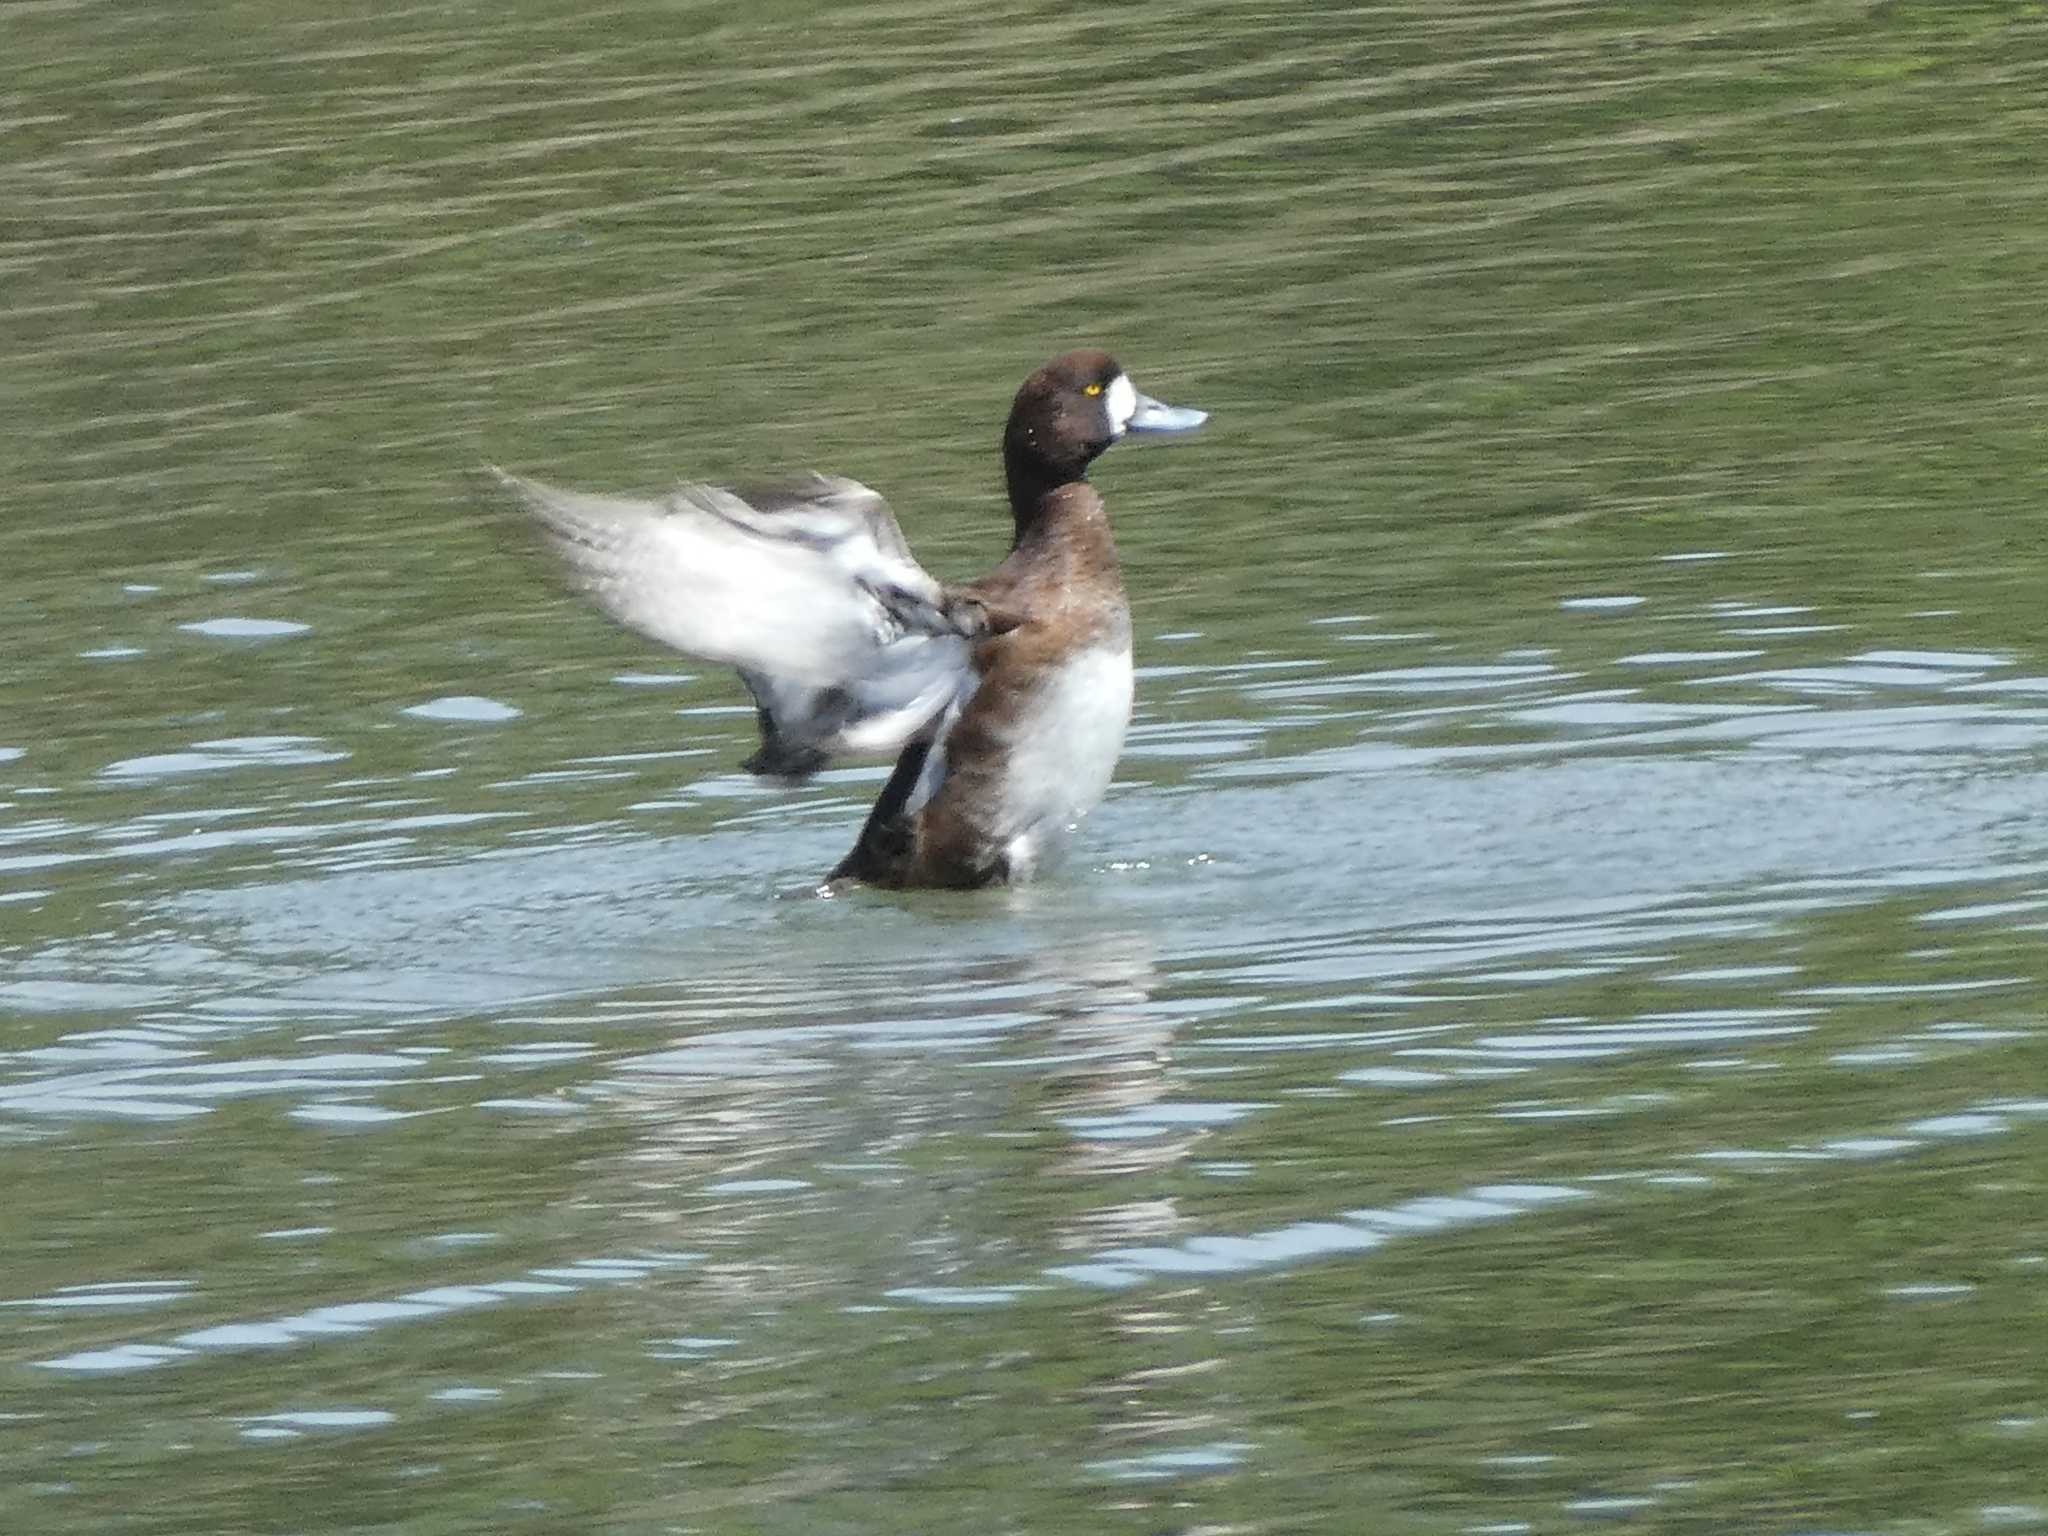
{"points": [[846, 644]]}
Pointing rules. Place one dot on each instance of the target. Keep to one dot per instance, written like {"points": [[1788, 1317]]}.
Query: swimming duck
{"points": [[1005, 698]]}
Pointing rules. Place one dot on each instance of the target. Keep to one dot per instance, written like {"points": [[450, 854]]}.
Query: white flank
{"points": [[1064, 752]]}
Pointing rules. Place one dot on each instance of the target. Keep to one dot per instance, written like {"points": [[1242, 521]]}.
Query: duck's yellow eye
{"points": [[1091, 390]]}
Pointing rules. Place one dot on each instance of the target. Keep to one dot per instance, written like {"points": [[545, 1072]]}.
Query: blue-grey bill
{"points": [[1157, 416]]}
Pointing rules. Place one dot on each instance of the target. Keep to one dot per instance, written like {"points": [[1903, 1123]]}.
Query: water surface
{"points": [[1545, 1031]]}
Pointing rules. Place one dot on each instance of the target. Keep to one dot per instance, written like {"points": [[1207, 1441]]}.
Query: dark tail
{"points": [[881, 854]]}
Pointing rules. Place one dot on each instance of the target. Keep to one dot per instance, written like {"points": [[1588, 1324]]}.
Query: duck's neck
{"points": [[1043, 499]]}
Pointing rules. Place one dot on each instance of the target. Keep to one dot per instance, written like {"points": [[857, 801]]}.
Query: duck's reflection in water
{"points": [[932, 1115], [858, 1171], [1106, 1076]]}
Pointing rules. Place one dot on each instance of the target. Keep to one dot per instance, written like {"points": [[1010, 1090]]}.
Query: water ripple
{"points": [[350, 1318]]}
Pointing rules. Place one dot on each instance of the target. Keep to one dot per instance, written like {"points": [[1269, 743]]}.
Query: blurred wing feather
{"points": [[846, 643]]}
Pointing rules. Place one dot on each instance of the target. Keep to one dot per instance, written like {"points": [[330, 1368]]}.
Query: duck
{"points": [[1004, 700]]}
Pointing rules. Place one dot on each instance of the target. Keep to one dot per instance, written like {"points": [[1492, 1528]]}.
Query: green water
{"points": [[1546, 1031]]}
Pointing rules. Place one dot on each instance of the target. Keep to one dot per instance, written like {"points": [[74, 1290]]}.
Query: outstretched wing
{"points": [[809, 590]]}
